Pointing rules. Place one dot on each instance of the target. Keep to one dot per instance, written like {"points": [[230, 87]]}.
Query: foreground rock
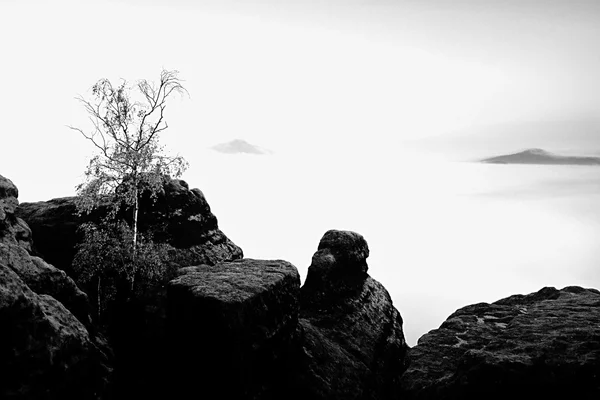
{"points": [[246, 330], [543, 345], [232, 327], [45, 352], [178, 216], [353, 345], [47, 347]]}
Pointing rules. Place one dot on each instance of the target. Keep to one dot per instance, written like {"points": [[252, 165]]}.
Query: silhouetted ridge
{"points": [[540, 156]]}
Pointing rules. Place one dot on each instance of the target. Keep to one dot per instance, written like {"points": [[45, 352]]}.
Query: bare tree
{"points": [[126, 124]]}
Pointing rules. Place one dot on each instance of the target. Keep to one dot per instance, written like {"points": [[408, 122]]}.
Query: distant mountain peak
{"points": [[536, 151], [540, 156]]}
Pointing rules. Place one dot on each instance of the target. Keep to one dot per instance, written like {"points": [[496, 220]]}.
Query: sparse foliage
{"points": [[105, 258], [126, 125]]}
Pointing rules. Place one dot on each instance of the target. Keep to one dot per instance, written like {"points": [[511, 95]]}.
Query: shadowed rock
{"points": [[47, 347], [13, 230], [45, 352], [235, 330], [178, 216], [232, 327], [542, 345], [353, 345], [43, 278]]}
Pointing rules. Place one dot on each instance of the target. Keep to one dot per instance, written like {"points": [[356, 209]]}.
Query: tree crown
{"points": [[127, 121]]}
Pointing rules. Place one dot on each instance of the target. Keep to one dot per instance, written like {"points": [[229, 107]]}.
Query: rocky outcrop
{"points": [[232, 328], [353, 345], [44, 278], [45, 352], [178, 216], [13, 230], [47, 347], [542, 345], [246, 330]]}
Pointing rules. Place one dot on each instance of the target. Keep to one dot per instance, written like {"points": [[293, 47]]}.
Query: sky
{"points": [[288, 74], [321, 84]]}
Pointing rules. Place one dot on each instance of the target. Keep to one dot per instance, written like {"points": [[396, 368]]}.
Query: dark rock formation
{"points": [[13, 230], [542, 345], [539, 156], [232, 327], [178, 216], [44, 278], [353, 346], [239, 324], [47, 350]]}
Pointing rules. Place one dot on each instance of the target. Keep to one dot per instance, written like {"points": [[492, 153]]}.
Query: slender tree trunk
{"points": [[135, 223], [99, 300]]}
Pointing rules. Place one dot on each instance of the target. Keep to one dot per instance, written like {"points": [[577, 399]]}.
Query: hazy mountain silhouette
{"points": [[238, 146], [539, 156]]}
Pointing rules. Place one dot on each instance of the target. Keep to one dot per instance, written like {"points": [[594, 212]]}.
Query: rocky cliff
{"points": [[259, 336], [48, 349], [178, 216], [542, 345], [227, 327], [353, 345]]}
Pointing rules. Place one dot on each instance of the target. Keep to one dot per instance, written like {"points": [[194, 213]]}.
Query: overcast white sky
{"points": [[288, 74]]}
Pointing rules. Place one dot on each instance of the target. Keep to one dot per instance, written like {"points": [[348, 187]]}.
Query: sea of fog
{"points": [[441, 234]]}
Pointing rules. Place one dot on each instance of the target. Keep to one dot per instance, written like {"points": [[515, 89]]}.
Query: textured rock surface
{"points": [[542, 345], [13, 230], [178, 216], [43, 278], [353, 345], [45, 352], [232, 326], [46, 348]]}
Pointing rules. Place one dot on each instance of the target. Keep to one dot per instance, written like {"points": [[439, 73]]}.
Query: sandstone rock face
{"points": [[178, 216], [43, 278], [353, 345], [232, 327], [47, 350], [246, 330], [542, 345], [13, 230]]}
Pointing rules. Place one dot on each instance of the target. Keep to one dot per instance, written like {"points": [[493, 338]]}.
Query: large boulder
{"points": [[45, 352], [47, 347], [542, 345], [353, 345], [232, 328], [177, 215]]}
